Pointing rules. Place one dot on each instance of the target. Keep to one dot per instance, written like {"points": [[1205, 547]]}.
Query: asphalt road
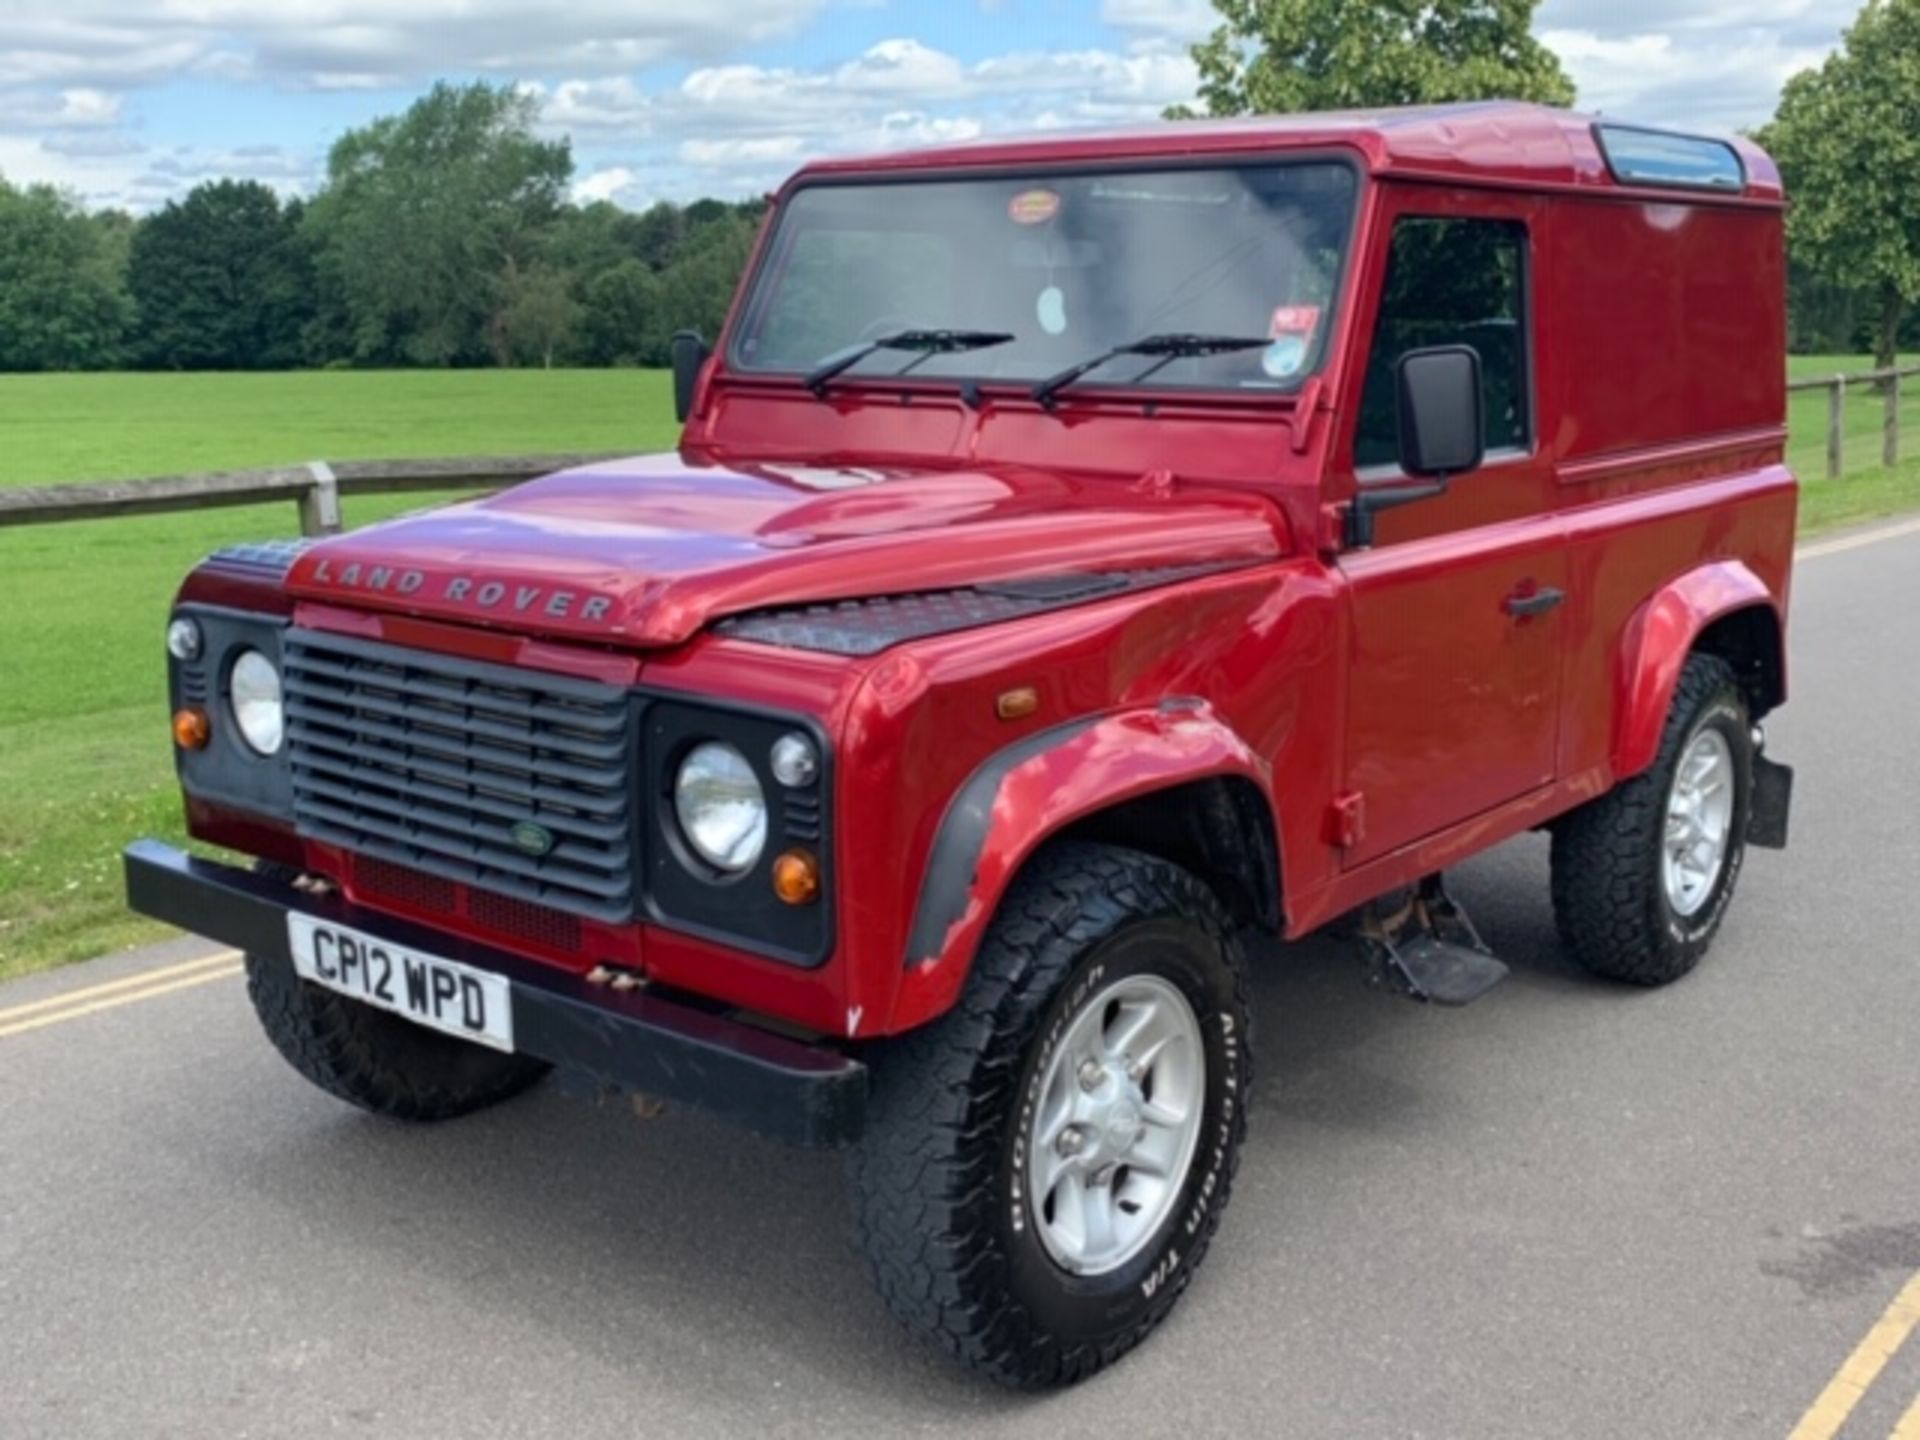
{"points": [[1572, 1210]]}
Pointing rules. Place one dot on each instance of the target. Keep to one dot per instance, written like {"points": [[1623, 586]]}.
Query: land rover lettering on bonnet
{"points": [[1081, 552], [515, 598]]}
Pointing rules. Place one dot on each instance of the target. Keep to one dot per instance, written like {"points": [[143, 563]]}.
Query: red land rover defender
{"points": [[1080, 551]]}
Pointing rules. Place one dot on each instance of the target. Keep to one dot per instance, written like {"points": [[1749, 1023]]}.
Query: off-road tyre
{"points": [[939, 1196], [1609, 901], [377, 1061]]}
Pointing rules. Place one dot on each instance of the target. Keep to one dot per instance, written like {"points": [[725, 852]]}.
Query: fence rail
{"points": [[315, 488], [1888, 382]]}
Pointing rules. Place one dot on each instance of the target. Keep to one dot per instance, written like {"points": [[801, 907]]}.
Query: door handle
{"points": [[1525, 604]]}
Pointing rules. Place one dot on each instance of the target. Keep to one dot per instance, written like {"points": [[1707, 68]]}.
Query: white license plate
{"points": [[438, 993]]}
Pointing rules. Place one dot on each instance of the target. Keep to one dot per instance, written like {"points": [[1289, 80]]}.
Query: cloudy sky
{"points": [[130, 102]]}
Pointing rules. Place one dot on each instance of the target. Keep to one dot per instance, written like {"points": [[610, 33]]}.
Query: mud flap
{"points": [[1771, 801]]}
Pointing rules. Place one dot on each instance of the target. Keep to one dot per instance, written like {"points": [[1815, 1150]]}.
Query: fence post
{"points": [[1836, 423], [320, 502], [1890, 427]]}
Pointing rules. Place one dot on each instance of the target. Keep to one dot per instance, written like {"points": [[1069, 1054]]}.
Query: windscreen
{"points": [[1069, 266]]}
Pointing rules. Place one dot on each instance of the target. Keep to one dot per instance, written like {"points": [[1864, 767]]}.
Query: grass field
{"points": [[84, 759], [84, 762], [1865, 486]]}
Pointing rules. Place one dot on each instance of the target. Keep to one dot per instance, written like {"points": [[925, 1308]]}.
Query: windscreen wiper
{"points": [[926, 342], [1164, 348]]}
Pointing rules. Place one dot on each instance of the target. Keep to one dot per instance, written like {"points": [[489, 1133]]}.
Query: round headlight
{"points": [[183, 639], [795, 761], [254, 689], [722, 810]]}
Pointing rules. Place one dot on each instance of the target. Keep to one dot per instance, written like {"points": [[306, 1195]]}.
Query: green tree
{"points": [[63, 302], [1282, 56], [429, 220], [593, 238], [540, 317], [698, 286], [222, 280], [624, 317], [1847, 136], [658, 232]]}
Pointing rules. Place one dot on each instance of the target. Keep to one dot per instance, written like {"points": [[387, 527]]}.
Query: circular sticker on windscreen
{"points": [[1284, 357], [1033, 207]]}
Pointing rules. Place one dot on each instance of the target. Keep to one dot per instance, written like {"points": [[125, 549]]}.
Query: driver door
{"points": [[1456, 625]]}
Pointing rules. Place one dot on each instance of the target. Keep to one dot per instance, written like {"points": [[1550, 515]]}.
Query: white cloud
{"points": [[88, 108], [67, 71], [63, 110], [1184, 20], [609, 184], [739, 120], [1715, 64], [337, 43], [1660, 78], [660, 97], [714, 154], [579, 106]]}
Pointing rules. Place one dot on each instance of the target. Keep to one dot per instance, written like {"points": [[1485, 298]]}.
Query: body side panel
{"points": [[1262, 648]]}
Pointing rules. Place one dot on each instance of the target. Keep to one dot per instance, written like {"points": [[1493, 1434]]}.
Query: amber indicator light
{"points": [[1017, 704], [796, 877], [191, 731]]}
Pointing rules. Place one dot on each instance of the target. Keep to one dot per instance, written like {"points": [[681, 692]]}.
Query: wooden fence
{"points": [[316, 488], [1888, 383]]}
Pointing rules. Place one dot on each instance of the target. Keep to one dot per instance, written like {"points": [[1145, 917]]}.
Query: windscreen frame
{"points": [[774, 254]]}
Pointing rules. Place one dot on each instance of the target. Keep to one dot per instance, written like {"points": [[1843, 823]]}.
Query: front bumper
{"points": [[597, 1038]]}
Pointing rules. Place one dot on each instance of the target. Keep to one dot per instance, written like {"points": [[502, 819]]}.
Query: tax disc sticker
{"points": [[1284, 357], [1292, 329], [1033, 207]]}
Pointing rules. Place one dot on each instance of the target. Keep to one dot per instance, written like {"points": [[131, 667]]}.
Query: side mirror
{"points": [[1442, 410], [690, 352], [1442, 432]]}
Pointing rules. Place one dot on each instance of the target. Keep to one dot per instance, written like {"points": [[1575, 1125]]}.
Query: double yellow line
{"points": [[1849, 1387], [38, 1014]]}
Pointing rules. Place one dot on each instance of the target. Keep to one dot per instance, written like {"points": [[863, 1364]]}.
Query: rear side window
{"points": [[1451, 282], [1687, 162]]}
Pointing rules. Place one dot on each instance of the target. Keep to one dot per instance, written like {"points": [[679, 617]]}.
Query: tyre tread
{"points": [[360, 1056], [924, 1176], [1606, 854]]}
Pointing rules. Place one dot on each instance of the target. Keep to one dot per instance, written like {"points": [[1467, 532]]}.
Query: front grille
{"points": [[432, 762]]}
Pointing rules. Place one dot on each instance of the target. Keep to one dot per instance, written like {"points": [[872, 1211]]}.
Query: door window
{"points": [[1451, 282]]}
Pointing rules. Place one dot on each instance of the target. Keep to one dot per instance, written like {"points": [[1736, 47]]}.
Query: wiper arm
{"points": [[1164, 348], [927, 342]]}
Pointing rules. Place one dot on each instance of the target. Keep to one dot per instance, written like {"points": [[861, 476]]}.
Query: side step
{"points": [[1423, 946]]}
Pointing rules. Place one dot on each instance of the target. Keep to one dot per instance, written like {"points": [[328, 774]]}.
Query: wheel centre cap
{"points": [[1120, 1127]]}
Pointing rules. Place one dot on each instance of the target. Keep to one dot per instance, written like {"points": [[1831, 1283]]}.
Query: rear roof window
{"points": [[1655, 157]]}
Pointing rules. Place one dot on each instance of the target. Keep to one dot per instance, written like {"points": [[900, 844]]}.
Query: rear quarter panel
{"points": [[1666, 426], [1715, 546]]}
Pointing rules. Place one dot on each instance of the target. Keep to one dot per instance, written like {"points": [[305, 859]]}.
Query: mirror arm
{"points": [[1369, 501]]}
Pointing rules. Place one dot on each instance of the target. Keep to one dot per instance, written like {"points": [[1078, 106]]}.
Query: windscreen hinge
{"points": [[1305, 408]]}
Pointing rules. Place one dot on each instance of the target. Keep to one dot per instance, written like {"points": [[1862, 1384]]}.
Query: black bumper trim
{"points": [[632, 1041]]}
